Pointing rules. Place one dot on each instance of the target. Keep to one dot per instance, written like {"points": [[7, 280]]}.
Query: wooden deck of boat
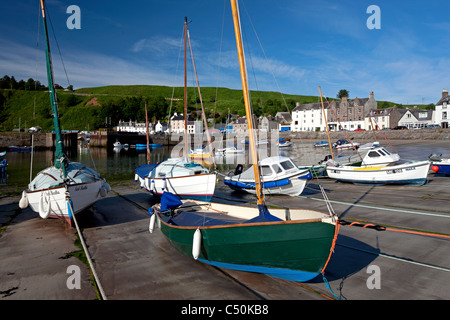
{"points": [[408, 261]]}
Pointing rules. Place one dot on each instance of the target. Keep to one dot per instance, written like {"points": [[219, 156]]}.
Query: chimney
{"points": [[444, 93]]}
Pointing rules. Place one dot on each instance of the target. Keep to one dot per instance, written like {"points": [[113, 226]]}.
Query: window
{"points": [[276, 168], [266, 171], [373, 154], [287, 165]]}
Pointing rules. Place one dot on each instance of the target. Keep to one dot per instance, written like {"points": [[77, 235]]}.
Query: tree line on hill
{"points": [[8, 82]]}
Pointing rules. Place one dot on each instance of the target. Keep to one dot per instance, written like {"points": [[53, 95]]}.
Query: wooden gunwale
{"points": [[239, 225]]}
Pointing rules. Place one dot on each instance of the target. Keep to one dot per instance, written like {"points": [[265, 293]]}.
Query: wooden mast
{"points": [[326, 124], [205, 122], [146, 132], [240, 49]]}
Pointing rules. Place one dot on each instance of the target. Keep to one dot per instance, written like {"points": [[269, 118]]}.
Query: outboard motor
{"points": [[238, 169], [327, 157], [435, 157]]}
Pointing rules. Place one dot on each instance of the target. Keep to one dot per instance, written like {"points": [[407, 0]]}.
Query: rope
{"points": [[91, 265], [327, 285], [327, 201]]}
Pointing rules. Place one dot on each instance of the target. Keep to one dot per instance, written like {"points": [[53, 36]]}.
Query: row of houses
{"points": [[364, 114], [347, 114]]}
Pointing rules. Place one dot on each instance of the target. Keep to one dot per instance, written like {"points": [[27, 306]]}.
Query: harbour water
{"points": [[118, 166], [411, 254]]}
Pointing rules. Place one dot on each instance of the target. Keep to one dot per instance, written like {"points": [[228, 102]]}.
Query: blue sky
{"points": [[306, 44]]}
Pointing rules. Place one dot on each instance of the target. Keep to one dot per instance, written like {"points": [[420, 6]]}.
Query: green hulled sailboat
{"points": [[292, 244]]}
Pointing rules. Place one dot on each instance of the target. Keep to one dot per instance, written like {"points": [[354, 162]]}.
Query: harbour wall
{"points": [[107, 139]]}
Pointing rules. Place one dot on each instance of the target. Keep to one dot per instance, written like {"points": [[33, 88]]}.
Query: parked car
{"points": [[432, 126], [400, 128]]}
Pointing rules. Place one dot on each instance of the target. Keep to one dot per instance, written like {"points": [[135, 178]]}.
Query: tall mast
{"points": [[326, 124], [146, 132], [60, 157], [201, 101], [185, 89], [240, 49]]}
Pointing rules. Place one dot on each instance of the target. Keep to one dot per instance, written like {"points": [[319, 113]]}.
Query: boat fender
{"points": [[142, 181], [196, 243], [146, 183], [152, 186], [152, 223], [103, 191], [136, 177], [434, 168], [23, 203], [107, 186], [42, 212]]}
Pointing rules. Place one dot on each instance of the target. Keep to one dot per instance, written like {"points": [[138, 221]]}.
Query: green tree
{"points": [[343, 93]]}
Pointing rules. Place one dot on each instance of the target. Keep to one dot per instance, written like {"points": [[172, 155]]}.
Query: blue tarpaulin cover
{"points": [[169, 201], [145, 169]]}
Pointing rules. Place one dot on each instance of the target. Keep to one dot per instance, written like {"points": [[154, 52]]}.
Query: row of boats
{"points": [[292, 244]]}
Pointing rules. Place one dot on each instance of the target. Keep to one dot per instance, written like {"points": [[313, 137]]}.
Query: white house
{"points": [[308, 117], [442, 112], [416, 118], [130, 126]]}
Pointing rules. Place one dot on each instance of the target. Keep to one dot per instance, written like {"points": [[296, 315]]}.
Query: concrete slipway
{"points": [[133, 264]]}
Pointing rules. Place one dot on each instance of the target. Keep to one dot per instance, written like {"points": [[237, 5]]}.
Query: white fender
{"points": [[23, 203], [196, 243], [107, 186], [152, 223], [142, 182], [165, 184], [42, 212], [152, 185], [136, 177], [103, 191]]}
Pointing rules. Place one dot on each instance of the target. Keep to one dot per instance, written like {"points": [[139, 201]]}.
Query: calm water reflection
{"points": [[120, 166]]}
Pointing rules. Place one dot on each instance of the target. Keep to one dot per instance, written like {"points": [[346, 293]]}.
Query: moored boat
{"points": [[343, 144], [279, 175], [66, 188], [186, 179], [288, 243], [413, 173], [440, 164]]}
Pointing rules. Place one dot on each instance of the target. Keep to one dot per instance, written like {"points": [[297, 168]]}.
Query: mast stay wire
{"points": [[57, 45], [265, 56]]}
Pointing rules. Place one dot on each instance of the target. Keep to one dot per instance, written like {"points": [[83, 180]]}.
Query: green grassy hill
{"points": [[92, 108]]}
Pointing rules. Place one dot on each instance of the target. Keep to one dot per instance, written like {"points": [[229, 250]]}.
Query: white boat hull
{"points": [[196, 187], [83, 196], [410, 173]]}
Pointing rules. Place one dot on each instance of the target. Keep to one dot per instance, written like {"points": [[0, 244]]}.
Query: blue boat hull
{"points": [[443, 168]]}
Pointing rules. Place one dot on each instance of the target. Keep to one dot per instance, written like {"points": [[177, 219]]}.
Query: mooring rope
{"points": [[91, 265]]}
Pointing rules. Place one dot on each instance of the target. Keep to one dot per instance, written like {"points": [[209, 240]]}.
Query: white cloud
{"points": [[84, 68]]}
